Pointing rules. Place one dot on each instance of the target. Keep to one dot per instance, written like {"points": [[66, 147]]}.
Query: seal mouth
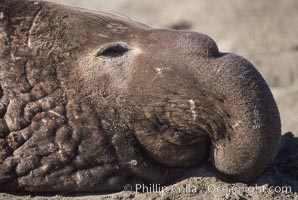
{"points": [[171, 147], [189, 119], [181, 126], [178, 137]]}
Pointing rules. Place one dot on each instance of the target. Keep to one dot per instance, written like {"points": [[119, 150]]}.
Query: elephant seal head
{"points": [[91, 100]]}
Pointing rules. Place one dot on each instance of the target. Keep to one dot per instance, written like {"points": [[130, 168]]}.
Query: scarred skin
{"points": [[91, 101]]}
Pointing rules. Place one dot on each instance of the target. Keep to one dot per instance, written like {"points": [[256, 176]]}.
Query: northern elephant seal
{"points": [[90, 101]]}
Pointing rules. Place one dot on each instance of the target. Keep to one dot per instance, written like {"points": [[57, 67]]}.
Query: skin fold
{"points": [[91, 101]]}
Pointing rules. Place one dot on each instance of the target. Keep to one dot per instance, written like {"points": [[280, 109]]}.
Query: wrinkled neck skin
{"points": [[78, 118]]}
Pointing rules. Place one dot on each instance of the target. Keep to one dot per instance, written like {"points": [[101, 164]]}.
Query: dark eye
{"points": [[114, 50]]}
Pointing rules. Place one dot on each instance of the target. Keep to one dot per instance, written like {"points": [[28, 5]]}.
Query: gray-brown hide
{"points": [[91, 101]]}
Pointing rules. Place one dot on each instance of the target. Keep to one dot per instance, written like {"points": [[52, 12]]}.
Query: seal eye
{"points": [[114, 50]]}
